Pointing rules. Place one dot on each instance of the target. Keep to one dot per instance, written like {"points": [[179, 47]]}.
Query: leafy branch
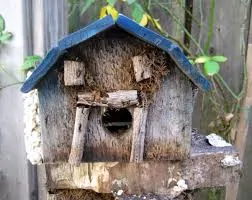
{"points": [[5, 36]]}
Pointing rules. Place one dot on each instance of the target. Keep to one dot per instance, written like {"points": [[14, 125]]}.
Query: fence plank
{"points": [[243, 138], [230, 33], [16, 174]]}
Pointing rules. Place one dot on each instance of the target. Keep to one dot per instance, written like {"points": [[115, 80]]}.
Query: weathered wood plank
{"points": [[74, 73], [54, 16], [250, 27], [246, 140], [166, 119], [118, 99], [244, 121], [141, 65], [155, 177], [230, 33], [50, 23], [243, 126], [80, 127], [138, 134]]}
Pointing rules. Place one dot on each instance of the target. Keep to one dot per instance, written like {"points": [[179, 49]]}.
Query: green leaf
{"points": [[5, 37], [202, 59], [191, 61], [86, 4], [219, 58], [111, 2], [30, 62], [211, 68], [2, 23], [131, 1], [137, 12]]}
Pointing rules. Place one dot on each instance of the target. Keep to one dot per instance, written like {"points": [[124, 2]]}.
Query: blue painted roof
{"points": [[129, 26]]}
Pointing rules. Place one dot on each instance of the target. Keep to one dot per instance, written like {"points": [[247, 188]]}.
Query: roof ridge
{"points": [[130, 27]]}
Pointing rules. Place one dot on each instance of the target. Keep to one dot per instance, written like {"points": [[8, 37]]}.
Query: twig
{"points": [[210, 26], [201, 21], [181, 24], [227, 87], [164, 33], [220, 86], [149, 5], [199, 24]]}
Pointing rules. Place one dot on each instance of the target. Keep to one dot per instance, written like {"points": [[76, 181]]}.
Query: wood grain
{"points": [[142, 67], [168, 128], [138, 134], [74, 73], [118, 99], [147, 177], [79, 134]]}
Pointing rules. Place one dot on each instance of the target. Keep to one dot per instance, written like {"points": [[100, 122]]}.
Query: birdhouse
{"points": [[115, 91]]}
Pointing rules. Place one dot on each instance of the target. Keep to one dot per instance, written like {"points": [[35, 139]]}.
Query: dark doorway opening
{"points": [[117, 121]]}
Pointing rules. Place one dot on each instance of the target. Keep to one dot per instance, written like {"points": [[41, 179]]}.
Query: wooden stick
{"points": [[80, 125], [138, 135], [118, 99]]}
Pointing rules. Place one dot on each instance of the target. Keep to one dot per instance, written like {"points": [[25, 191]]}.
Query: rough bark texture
{"points": [[246, 141], [80, 127], [138, 134], [203, 169], [74, 73], [108, 65], [118, 99]]}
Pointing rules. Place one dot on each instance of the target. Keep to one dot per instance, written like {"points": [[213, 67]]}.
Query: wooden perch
{"points": [[77, 147], [74, 73], [118, 99], [138, 135], [203, 169], [141, 67]]}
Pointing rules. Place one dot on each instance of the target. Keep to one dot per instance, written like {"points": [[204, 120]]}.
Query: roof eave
{"points": [[71, 40], [129, 26], [166, 45]]}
